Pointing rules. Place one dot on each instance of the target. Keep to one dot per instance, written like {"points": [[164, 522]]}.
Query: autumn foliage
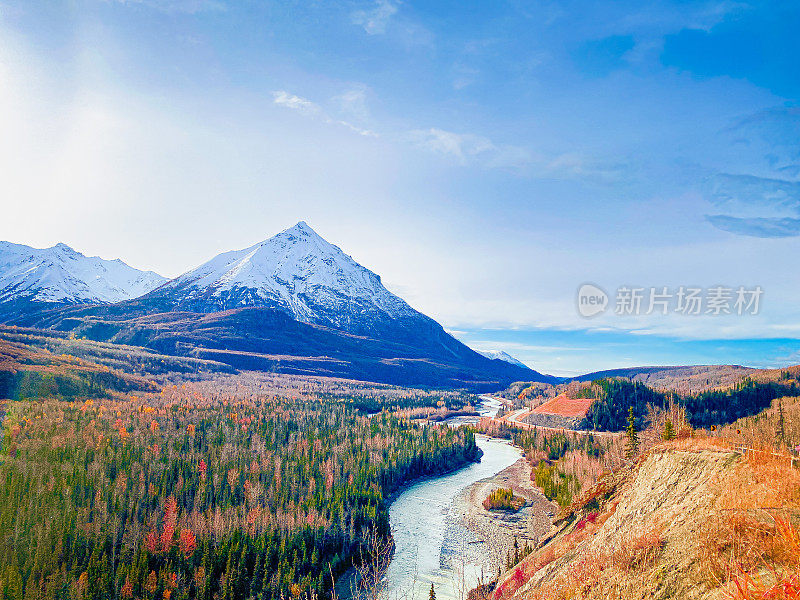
{"points": [[227, 489]]}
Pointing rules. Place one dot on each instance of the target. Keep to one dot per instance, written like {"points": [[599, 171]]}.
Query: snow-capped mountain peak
{"points": [[62, 275], [501, 355], [296, 271]]}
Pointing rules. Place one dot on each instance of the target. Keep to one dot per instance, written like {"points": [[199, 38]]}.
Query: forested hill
{"points": [[614, 396], [190, 495], [27, 371]]}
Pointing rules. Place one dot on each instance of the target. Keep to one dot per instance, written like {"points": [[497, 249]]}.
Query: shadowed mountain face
{"points": [[293, 303]]}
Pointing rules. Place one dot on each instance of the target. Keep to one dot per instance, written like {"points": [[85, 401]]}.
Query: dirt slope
{"points": [[564, 406], [670, 527]]}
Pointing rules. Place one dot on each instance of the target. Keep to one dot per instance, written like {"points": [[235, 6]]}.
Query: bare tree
{"points": [[374, 557]]}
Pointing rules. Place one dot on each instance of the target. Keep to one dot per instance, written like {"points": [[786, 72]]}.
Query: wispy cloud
{"points": [[755, 206], [307, 107], [467, 148], [353, 102], [757, 226], [574, 165], [287, 100], [375, 19], [770, 138], [462, 146], [737, 194]]}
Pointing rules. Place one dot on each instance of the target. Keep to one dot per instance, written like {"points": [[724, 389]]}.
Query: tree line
{"points": [[615, 396]]}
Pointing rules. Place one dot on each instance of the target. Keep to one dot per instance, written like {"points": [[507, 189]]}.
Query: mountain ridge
{"points": [[39, 279], [296, 271], [292, 303], [679, 378], [501, 355]]}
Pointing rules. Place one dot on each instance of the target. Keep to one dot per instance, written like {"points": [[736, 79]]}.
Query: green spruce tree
{"points": [[633, 438], [669, 431], [432, 594]]}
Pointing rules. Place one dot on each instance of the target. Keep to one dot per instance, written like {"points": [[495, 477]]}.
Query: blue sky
{"points": [[486, 159]]}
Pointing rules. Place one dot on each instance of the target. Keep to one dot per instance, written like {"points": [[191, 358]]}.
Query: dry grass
{"points": [[747, 545], [764, 429], [617, 574], [563, 546], [750, 545]]}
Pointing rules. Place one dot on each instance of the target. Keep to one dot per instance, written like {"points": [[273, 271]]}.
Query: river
{"points": [[488, 407], [431, 546]]}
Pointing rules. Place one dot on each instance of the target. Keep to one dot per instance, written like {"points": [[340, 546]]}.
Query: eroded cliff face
{"points": [[685, 521]]}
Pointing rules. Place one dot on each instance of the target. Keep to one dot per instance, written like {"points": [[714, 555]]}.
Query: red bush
{"points": [[590, 518]]}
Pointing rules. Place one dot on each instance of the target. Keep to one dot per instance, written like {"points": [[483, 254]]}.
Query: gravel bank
{"points": [[497, 529]]}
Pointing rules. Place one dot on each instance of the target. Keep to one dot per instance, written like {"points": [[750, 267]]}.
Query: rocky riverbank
{"points": [[497, 529]]}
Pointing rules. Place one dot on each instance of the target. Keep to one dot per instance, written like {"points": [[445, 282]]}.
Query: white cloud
{"points": [[353, 102], [573, 165], [468, 148], [283, 98], [463, 146], [375, 20], [311, 109], [355, 129]]}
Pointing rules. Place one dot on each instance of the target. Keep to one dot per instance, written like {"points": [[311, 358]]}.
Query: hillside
{"points": [[682, 379], [129, 360], [564, 406], [602, 404], [27, 371], [691, 519]]}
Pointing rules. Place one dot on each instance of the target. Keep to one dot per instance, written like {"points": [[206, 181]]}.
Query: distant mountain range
{"points": [[33, 279], [293, 303], [501, 355], [679, 378]]}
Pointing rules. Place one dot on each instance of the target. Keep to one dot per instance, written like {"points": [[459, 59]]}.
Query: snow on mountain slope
{"points": [[504, 356], [293, 303], [296, 271], [62, 275]]}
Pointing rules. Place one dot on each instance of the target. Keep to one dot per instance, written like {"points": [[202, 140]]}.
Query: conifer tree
{"points": [[669, 431], [257, 578], [12, 585], [432, 594], [781, 432], [633, 437]]}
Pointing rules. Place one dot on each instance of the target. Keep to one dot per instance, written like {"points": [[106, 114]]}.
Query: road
{"points": [[515, 418]]}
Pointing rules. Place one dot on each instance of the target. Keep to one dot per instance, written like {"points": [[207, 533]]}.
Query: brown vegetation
{"points": [[565, 406], [774, 428], [694, 517]]}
